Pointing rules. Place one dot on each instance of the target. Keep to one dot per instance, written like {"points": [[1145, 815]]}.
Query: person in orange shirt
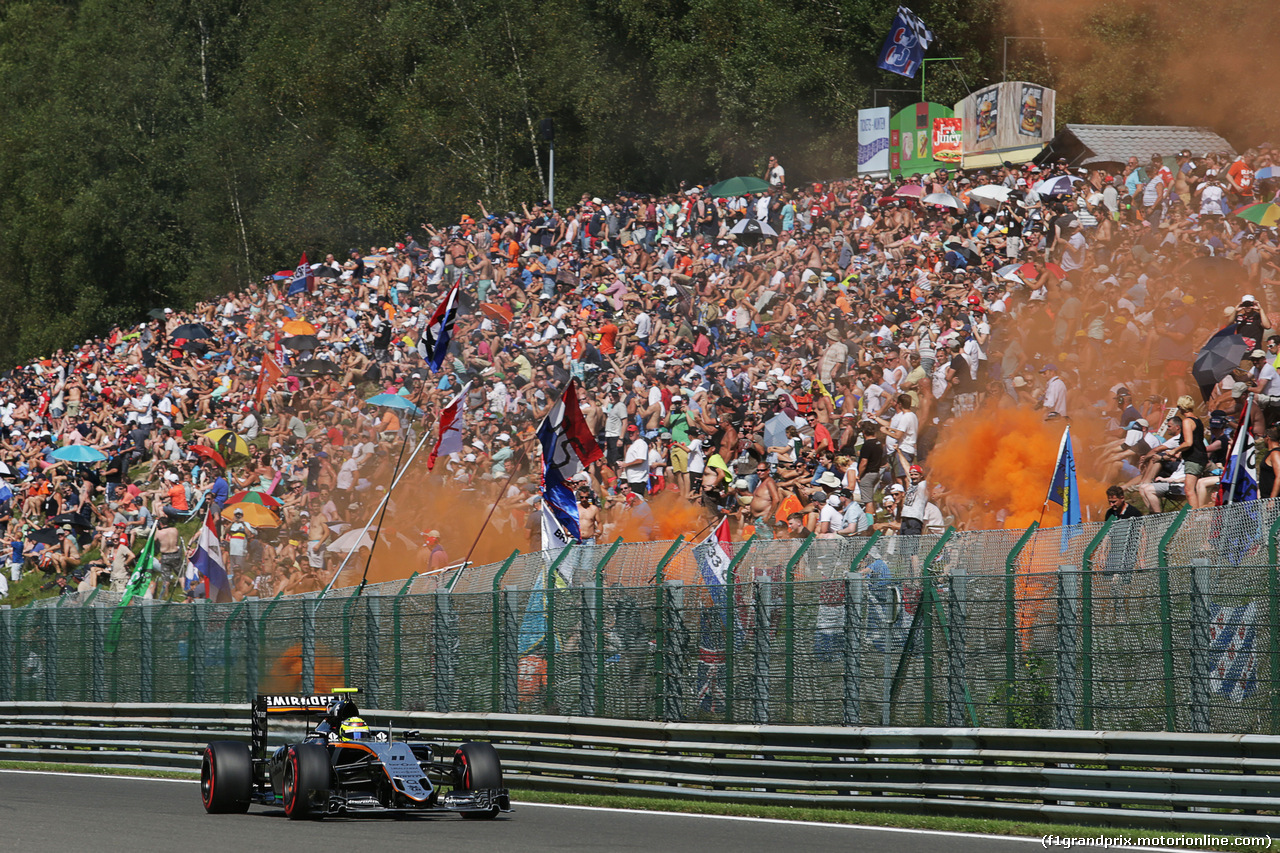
{"points": [[608, 338]]}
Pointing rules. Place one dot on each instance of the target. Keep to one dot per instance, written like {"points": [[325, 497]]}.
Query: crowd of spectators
{"points": [[795, 383]]}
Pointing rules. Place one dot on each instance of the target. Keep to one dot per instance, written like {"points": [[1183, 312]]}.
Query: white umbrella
{"points": [[1009, 272], [748, 225], [1057, 185], [352, 540], [944, 199], [990, 193]]}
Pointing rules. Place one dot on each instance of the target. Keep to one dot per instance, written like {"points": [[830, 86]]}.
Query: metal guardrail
{"points": [[1216, 783]]}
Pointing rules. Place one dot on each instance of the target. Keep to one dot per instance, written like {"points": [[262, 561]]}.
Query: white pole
{"points": [[378, 509]]}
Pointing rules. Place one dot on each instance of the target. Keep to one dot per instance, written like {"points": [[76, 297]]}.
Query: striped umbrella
{"points": [[253, 496], [1263, 213]]}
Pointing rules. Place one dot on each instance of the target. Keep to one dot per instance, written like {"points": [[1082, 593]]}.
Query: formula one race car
{"points": [[341, 767]]}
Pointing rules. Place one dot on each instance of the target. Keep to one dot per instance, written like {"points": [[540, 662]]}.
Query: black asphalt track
{"points": [[80, 814]]}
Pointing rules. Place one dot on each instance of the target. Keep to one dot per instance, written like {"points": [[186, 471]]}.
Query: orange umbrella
{"points": [[298, 327], [501, 313], [254, 514]]}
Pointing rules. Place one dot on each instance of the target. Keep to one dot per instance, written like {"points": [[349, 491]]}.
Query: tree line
{"points": [[154, 153]]}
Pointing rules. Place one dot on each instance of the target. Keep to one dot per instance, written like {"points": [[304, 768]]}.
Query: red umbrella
{"points": [[910, 191], [1056, 270], [208, 453]]}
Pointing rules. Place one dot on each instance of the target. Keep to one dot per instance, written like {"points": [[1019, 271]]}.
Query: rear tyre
{"points": [[476, 767], [226, 777], [306, 781]]}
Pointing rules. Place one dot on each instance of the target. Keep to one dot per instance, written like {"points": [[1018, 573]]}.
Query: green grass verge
{"points": [[850, 817]]}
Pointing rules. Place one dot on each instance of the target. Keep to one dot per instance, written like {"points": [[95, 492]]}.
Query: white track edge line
{"points": [[610, 809]]}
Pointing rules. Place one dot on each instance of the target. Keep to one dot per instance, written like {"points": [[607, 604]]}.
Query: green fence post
{"points": [[1011, 621], [928, 597], [226, 649], [1166, 619], [250, 632], [395, 635], [1273, 593], [196, 647], [7, 658], [310, 607], [1086, 624], [866, 549], [495, 644], [262, 625], [600, 655], [549, 644], [731, 625], [50, 632], [660, 646], [789, 624], [146, 655], [346, 637]]}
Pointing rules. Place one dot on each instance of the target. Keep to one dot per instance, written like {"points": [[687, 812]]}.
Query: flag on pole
{"points": [[270, 374], [1240, 475], [438, 333], [1064, 489], [904, 47], [713, 556], [568, 447], [143, 570], [302, 279], [453, 420], [554, 537], [207, 560]]}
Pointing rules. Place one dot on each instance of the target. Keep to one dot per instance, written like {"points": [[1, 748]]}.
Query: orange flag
{"points": [[270, 375]]}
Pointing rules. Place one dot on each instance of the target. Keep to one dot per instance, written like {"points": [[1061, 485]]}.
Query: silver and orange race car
{"points": [[340, 767]]}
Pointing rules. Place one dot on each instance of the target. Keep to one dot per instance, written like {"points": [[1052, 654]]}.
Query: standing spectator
{"points": [[237, 544], [635, 464]]}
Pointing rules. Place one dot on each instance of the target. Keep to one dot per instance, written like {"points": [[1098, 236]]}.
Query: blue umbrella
{"points": [[1268, 172], [393, 401], [78, 453]]}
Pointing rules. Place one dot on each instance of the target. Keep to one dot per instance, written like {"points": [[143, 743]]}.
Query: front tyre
{"points": [[226, 777], [306, 781], [476, 768]]}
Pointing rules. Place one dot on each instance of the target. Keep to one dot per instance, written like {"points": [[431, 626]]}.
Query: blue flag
{"points": [[1064, 490], [1235, 664], [1240, 475], [905, 45]]}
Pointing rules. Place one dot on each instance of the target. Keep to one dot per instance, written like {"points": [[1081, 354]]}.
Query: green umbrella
{"points": [[737, 186]]}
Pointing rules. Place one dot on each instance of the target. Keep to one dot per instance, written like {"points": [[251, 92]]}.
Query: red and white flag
{"points": [[453, 420]]}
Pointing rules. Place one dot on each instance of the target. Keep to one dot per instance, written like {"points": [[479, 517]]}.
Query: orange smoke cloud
{"points": [[1173, 62], [996, 464]]}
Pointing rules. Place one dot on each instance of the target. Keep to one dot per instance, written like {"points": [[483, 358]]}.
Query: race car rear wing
{"points": [[268, 705]]}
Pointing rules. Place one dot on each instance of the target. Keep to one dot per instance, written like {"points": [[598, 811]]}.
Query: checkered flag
{"points": [[923, 33], [904, 47]]}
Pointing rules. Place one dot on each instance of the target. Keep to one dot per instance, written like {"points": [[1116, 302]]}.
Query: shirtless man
{"points": [[588, 516], [65, 556], [764, 502], [171, 558]]}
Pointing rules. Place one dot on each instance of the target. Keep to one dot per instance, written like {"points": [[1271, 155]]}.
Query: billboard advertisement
{"points": [[873, 141], [1007, 121], [911, 150], [946, 140]]}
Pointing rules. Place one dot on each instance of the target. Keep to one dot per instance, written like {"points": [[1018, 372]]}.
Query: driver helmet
{"points": [[354, 728]]}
